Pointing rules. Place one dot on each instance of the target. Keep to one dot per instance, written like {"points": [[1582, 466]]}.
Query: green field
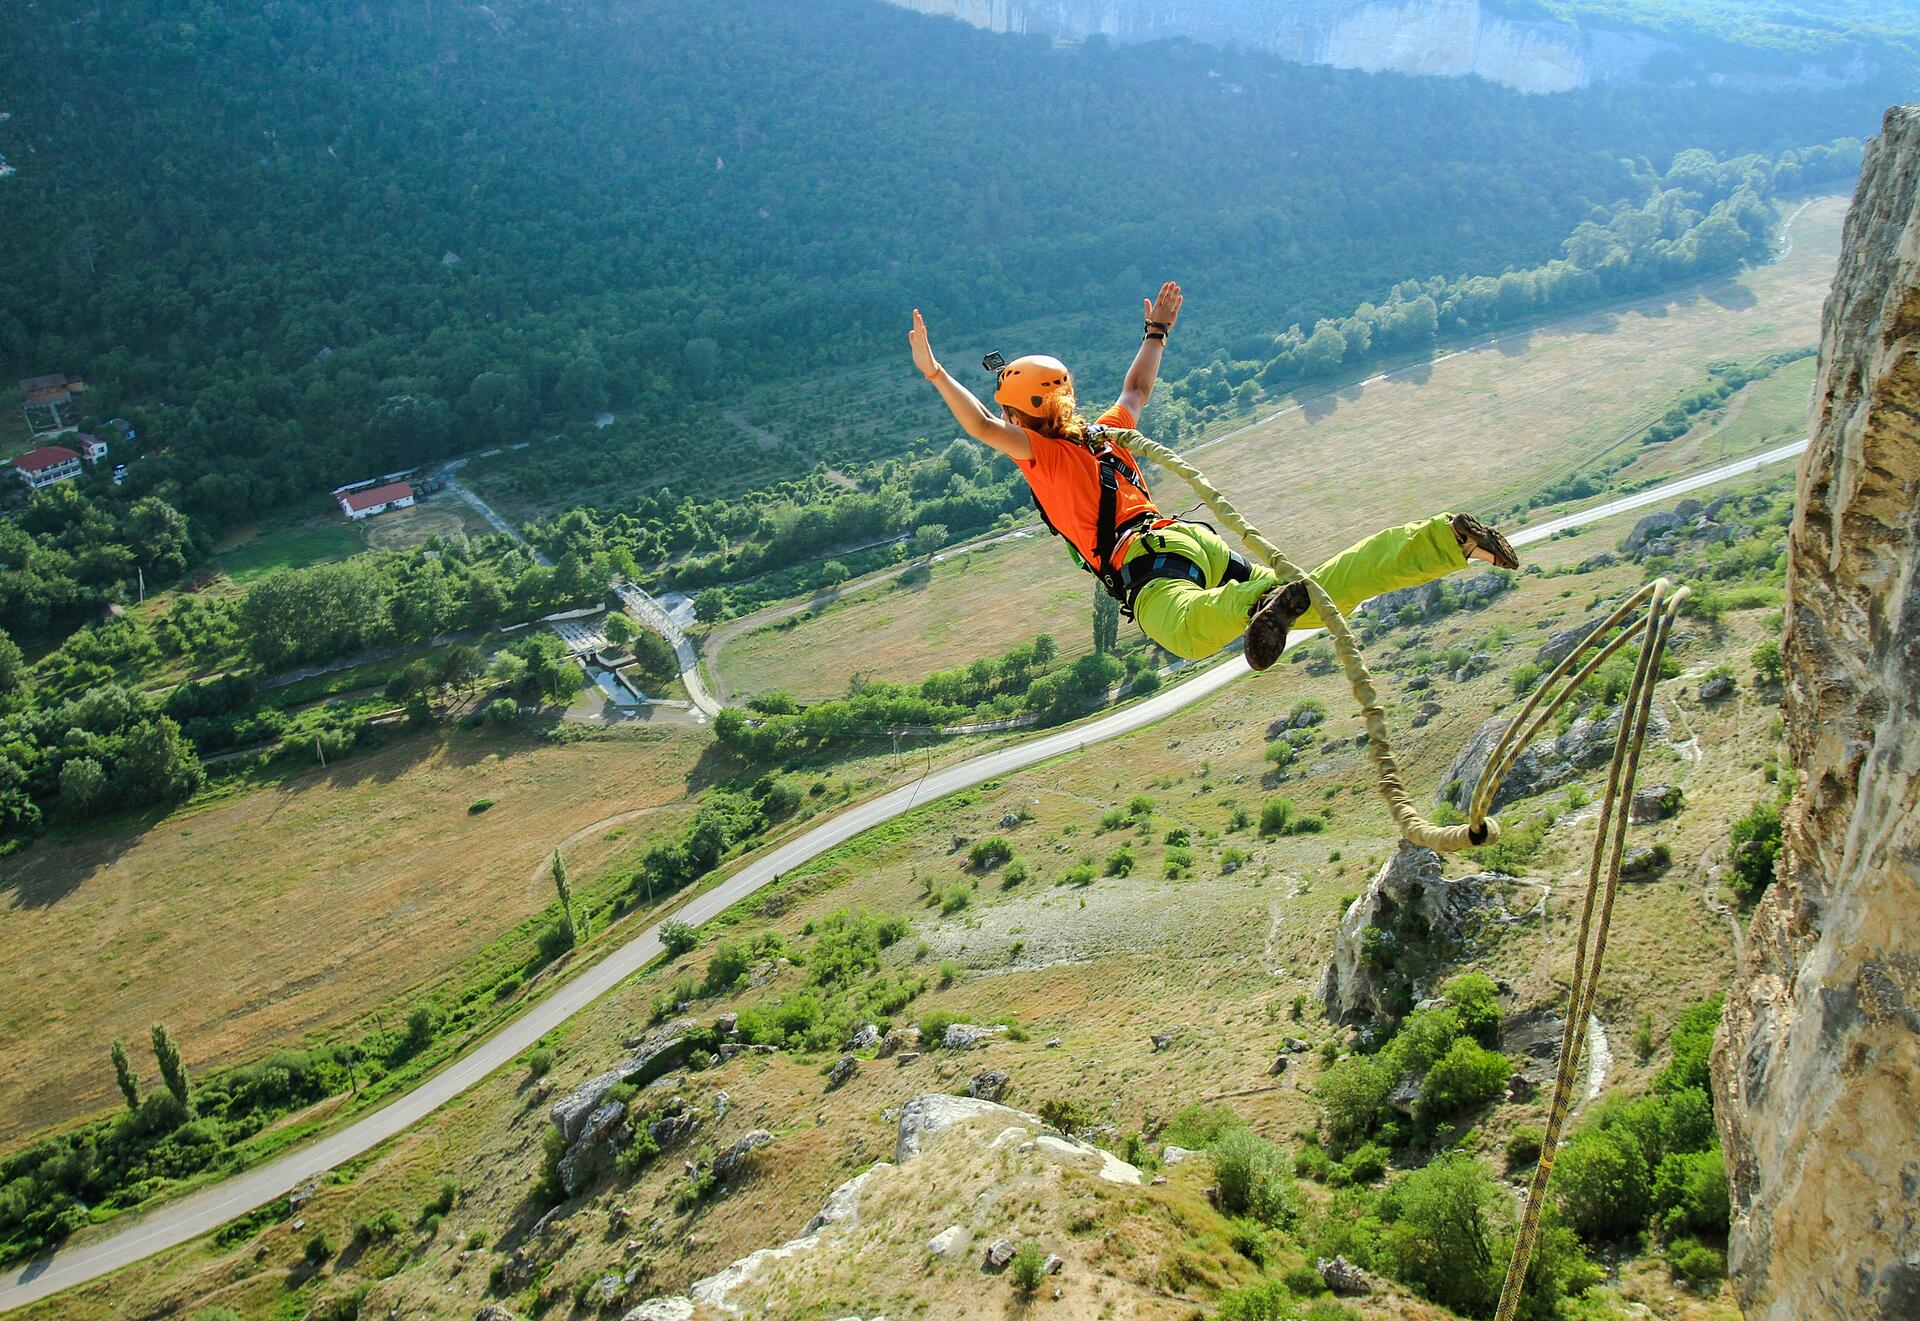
{"points": [[293, 542]]}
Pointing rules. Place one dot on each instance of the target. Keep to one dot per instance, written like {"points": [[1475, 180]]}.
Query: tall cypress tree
{"points": [[566, 895], [173, 1069], [123, 1074], [1106, 622]]}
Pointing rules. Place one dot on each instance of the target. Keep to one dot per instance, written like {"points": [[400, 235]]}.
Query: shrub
{"points": [[949, 973], [1254, 1178], [1695, 1262], [1065, 1115], [1275, 815], [1179, 837], [1602, 1182], [1525, 678], [1028, 1268], [1081, 873], [1523, 1147], [539, 1063], [729, 962], [449, 1196], [1307, 711], [1476, 999], [1304, 1280], [934, 1026], [677, 937], [1755, 841], [1441, 1245], [1425, 1035], [501, 711], [1199, 1126], [1768, 664], [1692, 1044], [1351, 1093], [1140, 805], [319, 1247], [1366, 1163], [380, 1227], [1114, 818], [1248, 1238], [989, 853], [1120, 862], [956, 897], [479, 805], [1281, 754], [1690, 1193], [1015, 873], [1467, 1075]]}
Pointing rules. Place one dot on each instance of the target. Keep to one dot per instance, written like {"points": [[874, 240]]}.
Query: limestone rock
{"points": [[733, 1160], [494, 1312], [726, 1024], [906, 1057], [1547, 763], [949, 1242], [965, 1036], [988, 1085], [999, 1253], [843, 1069], [865, 1036], [674, 1308], [1641, 864], [924, 1116], [1172, 1155], [1817, 1069], [1653, 802], [1346, 1279], [1560, 645], [602, 1134], [1052, 1265], [1421, 920], [570, 1112], [1716, 687]]}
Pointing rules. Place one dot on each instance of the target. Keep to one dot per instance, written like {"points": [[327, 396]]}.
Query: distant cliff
{"points": [[1817, 1072], [1444, 37]]}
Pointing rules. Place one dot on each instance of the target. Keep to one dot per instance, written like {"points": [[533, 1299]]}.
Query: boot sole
{"points": [[1487, 538], [1268, 625]]}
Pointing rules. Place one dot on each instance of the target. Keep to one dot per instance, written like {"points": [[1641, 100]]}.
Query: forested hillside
{"points": [[308, 241]]}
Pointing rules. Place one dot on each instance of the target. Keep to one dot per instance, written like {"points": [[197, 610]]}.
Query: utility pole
{"points": [[318, 752]]}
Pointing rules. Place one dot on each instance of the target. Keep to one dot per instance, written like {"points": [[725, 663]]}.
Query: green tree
{"points": [[1106, 622], [83, 781], [565, 891], [1441, 1243], [173, 1069], [1756, 841], [1768, 663], [123, 1074], [1602, 1183], [13, 670], [619, 628], [678, 937]]}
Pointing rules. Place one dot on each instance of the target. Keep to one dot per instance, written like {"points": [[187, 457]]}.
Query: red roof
{"points": [[374, 496], [47, 456]]}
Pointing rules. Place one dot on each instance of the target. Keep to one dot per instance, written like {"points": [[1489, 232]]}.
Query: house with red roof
{"points": [[371, 500], [44, 466]]}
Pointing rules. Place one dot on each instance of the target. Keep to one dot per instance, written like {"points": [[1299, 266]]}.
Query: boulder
{"points": [[671, 1128], [988, 1085], [733, 1160], [1160, 1041], [588, 1156], [1653, 802], [1295, 1046], [1561, 644], [1052, 1265], [1647, 530], [1278, 1067], [999, 1253], [570, 1113], [1715, 687], [932, 1113], [949, 1242], [1011, 821], [865, 1036], [843, 1069], [1172, 1155], [494, 1312], [906, 1057], [1641, 864], [965, 1036], [727, 1024], [1405, 1094], [1345, 1279]]}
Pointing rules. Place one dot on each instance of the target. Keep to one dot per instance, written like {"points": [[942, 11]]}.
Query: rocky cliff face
{"points": [[1818, 1066], [1441, 37]]}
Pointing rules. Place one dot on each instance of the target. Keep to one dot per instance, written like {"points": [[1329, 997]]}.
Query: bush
{"points": [[1476, 999], [479, 805], [1304, 1280], [1366, 1163], [1768, 665], [539, 1063], [949, 973], [1602, 1182], [1065, 1115], [1275, 815], [439, 1206], [1755, 841], [1695, 1262], [1690, 1193], [319, 1247], [1196, 1127], [1525, 678], [1254, 1177], [1467, 1075], [1440, 1245], [1120, 862], [989, 853], [1523, 1147], [378, 1228], [729, 962], [678, 937], [956, 897], [1028, 1268], [1350, 1094], [1015, 873], [1692, 1045]]}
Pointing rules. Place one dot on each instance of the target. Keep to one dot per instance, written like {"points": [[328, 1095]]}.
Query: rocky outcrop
{"points": [[1817, 1068], [1547, 763], [1404, 929], [969, 1150]]}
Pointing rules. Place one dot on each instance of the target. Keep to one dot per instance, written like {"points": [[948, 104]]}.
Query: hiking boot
{"points": [[1269, 620], [1474, 535]]}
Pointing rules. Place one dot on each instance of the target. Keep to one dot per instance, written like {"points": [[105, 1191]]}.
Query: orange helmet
{"points": [[1027, 383]]}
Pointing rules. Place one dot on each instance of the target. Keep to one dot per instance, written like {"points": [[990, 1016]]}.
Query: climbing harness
{"points": [[1661, 601]]}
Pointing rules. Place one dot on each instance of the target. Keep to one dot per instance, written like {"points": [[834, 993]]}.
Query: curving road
{"points": [[200, 1212]]}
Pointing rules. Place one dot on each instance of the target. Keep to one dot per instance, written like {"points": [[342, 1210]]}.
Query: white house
{"points": [[373, 500], [44, 466], [92, 448]]}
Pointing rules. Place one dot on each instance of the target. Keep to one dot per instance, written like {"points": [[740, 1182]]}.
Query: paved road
{"points": [[194, 1215]]}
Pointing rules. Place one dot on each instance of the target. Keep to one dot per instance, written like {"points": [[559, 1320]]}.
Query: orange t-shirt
{"points": [[1065, 478]]}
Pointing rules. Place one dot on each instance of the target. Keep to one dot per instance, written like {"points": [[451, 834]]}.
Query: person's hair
{"points": [[1059, 417]]}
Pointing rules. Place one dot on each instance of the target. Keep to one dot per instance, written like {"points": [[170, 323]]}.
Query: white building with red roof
{"points": [[46, 465], [371, 500]]}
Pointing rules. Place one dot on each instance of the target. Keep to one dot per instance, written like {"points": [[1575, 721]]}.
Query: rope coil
{"points": [[1661, 600]]}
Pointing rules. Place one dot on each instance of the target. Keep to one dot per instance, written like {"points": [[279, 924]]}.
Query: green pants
{"points": [[1193, 621]]}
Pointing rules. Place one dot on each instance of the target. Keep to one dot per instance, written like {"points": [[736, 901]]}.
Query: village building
{"points": [[42, 467], [371, 500], [42, 398]]}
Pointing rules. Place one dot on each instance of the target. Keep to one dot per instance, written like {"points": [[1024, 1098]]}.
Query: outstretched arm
{"points": [[1161, 313], [969, 412]]}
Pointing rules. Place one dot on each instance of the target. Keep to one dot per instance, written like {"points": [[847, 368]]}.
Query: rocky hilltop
{"points": [[1818, 1065], [1442, 37]]}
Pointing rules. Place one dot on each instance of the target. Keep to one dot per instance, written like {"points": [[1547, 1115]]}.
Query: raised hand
{"points": [[923, 358], [1166, 308]]}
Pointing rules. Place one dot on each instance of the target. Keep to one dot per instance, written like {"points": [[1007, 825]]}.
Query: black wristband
{"points": [[1148, 327], [1160, 335]]}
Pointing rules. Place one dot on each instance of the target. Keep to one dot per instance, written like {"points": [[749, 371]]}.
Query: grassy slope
{"points": [[1472, 430], [1215, 959]]}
